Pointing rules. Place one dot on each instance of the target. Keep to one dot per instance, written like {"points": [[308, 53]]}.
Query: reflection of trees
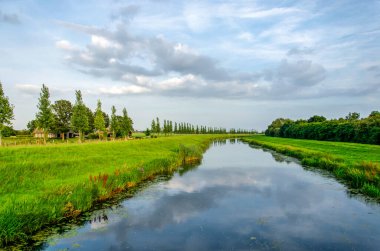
{"points": [[187, 168], [219, 142]]}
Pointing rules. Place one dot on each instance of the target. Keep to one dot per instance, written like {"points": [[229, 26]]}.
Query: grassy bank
{"points": [[43, 185], [357, 164]]}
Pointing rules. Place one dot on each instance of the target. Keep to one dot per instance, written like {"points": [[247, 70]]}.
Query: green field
{"points": [[43, 185], [357, 164]]}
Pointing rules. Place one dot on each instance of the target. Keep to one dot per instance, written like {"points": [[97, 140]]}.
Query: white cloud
{"points": [[179, 82], [28, 88], [247, 36], [123, 90], [104, 43], [64, 45]]}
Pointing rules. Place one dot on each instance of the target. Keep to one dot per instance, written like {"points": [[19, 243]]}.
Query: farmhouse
{"points": [[39, 133]]}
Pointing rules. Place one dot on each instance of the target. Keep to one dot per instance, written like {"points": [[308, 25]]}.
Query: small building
{"points": [[68, 135], [39, 133]]}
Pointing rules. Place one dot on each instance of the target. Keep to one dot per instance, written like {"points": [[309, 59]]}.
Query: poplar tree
{"points": [[45, 116], [153, 126], [6, 112], [99, 120], [158, 126], [114, 122], [126, 124], [79, 119]]}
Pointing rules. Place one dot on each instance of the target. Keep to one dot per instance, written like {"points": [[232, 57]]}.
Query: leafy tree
{"points": [[80, 119], [275, 127], [353, 116], [63, 110], [106, 119], [153, 126], [158, 126], [8, 131], [45, 116], [126, 124], [6, 112], [374, 114], [316, 118], [147, 132], [114, 122], [99, 120], [32, 125], [90, 118]]}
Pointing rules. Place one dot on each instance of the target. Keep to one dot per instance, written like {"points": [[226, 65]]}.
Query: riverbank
{"points": [[357, 164], [45, 185]]}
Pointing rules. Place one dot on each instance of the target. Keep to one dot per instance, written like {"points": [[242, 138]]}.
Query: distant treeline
{"points": [[169, 127], [348, 129]]}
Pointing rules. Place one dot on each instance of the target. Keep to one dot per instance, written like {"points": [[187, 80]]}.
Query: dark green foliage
{"points": [[99, 120], [8, 131], [32, 125], [187, 128], [147, 132], [6, 112], [90, 119], [351, 129], [80, 119], [114, 125], [316, 118], [63, 110], [126, 124], [45, 116]]}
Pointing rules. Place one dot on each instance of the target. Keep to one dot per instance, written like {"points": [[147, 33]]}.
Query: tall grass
{"points": [[44, 185], [357, 164]]}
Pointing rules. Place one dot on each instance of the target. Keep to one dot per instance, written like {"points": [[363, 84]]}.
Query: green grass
{"points": [[44, 185], [357, 164]]}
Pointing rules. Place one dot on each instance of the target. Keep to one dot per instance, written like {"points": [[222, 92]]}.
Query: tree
{"points": [[126, 124], [99, 120], [158, 126], [90, 118], [114, 122], [374, 114], [6, 112], [32, 125], [45, 116], [106, 119], [147, 132], [153, 126], [79, 119], [63, 110], [353, 116], [316, 118]]}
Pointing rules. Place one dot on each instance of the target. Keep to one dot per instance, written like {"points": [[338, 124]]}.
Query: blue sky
{"points": [[222, 63]]}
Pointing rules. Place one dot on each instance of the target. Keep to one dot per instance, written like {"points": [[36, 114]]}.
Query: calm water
{"points": [[239, 198]]}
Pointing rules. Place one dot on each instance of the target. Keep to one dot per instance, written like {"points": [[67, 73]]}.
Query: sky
{"points": [[234, 64]]}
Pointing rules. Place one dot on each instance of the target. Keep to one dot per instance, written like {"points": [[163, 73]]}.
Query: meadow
{"points": [[44, 185], [358, 165]]}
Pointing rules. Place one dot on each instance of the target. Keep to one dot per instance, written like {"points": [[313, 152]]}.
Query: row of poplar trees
{"points": [[183, 128], [62, 116]]}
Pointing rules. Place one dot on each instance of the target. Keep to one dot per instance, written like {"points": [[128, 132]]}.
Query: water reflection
{"points": [[240, 198]]}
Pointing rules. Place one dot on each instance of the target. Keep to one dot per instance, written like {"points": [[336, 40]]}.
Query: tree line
{"points": [[63, 117], [169, 127], [352, 128]]}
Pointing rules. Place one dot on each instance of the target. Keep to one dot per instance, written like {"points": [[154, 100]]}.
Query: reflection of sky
{"points": [[239, 198]]}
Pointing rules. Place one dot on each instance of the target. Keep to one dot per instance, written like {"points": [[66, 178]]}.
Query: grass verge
{"points": [[357, 164], [45, 185]]}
